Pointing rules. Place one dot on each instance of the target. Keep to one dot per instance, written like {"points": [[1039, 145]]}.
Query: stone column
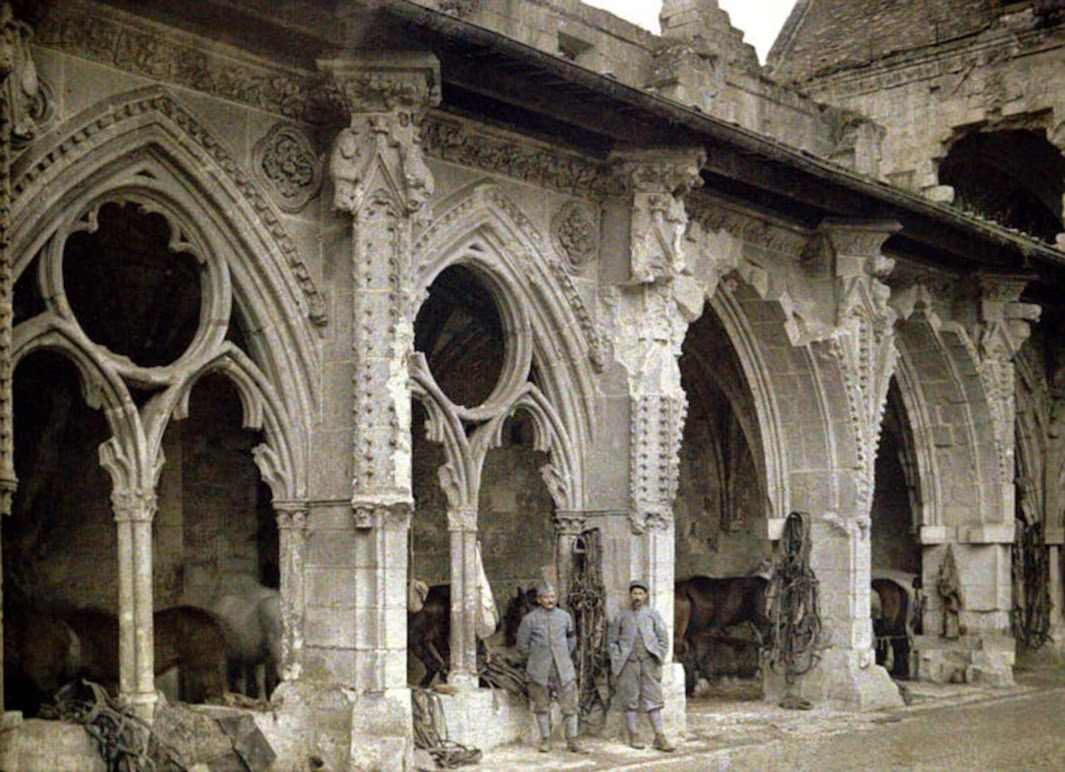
{"points": [[1054, 503], [650, 317], [858, 351], [292, 532], [134, 511], [381, 180], [462, 525], [18, 87], [568, 526], [381, 611]]}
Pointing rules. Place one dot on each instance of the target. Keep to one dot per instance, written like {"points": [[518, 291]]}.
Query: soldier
{"points": [[547, 638], [638, 644]]}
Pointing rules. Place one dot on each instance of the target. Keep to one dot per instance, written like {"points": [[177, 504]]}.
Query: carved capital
{"points": [[380, 150], [659, 180], [645, 518], [1005, 321], [570, 523], [291, 515], [134, 506], [384, 515], [464, 520]]}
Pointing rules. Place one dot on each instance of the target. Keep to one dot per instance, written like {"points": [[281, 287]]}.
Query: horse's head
{"points": [[517, 607]]}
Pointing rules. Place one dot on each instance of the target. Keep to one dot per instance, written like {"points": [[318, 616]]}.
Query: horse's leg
{"points": [[682, 611]]}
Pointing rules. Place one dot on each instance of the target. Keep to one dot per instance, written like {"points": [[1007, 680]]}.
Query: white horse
{"points": [[251, 622]]}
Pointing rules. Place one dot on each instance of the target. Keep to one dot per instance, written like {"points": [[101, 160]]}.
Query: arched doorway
{"points": [[722, 509]]}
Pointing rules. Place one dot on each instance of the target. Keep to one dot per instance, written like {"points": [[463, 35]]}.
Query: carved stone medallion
{"points": [[286, 161], [575, 235]]}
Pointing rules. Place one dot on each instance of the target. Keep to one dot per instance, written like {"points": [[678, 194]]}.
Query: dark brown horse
{"points": [[703, 603], [41, 654], [891, 628], [429, 633], [521, 604], [186, 637]]}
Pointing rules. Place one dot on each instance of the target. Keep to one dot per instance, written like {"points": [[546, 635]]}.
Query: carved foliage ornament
{"points": [[381, 148], [386, 515], [286, 161], [84, 30], [575, 235]]}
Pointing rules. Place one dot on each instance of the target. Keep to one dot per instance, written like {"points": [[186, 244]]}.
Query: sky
{"points": [[760, 20]]}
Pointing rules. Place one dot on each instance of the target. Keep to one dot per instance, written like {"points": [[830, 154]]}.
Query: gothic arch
{"points": [[123, 454], [743, 338], [481, 229], [145, 146], [947, 403]]}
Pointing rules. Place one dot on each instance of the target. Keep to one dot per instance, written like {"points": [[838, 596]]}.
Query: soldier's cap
{"points": [[639, 583], [543, 588]]}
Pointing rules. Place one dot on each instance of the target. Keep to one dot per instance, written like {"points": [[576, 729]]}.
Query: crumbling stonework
{"points": [[404, 278]]}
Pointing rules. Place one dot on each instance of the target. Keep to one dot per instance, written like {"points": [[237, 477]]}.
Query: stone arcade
{"points": [[328, 292]]}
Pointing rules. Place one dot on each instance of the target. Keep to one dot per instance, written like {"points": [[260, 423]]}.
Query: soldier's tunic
{"points": [[547, 639], [638, 645]]}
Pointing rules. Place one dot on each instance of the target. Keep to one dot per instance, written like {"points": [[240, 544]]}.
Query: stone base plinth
{"points": [[984, 659], [344, 729], [44, 746], [485, 719], [844, 679]]}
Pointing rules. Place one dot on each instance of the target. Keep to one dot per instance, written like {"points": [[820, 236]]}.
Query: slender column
{"points": [[462, 525], [568, 526], [18, 87], [134, 512], [292, 530]]}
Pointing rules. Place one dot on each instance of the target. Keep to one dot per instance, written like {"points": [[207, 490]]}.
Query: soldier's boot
{"points": [[660, 743], [630, 730], [543, 722], [572, 730]]}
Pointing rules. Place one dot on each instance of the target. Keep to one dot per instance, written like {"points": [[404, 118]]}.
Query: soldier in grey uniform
{"points": [[547, 638], [638, 644]]}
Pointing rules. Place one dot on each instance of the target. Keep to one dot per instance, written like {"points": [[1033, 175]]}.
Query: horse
{"points": [[429, 633], [705, 603], [714, 656], [521, 604], [892, 626], [41, 654], [185, 637], [251, 623]]}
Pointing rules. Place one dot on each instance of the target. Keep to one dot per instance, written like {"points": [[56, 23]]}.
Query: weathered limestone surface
{"points": [[421, 329]]}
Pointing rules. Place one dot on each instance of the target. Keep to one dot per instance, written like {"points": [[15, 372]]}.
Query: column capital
{"points": [[385, 96], [570, 522], [134, 506], [650, 519], [659, 178], [463, 519], [379, 82], [291, 515], [382, 514]]}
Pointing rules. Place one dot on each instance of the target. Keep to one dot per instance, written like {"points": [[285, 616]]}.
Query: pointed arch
{"points": [[124, 454], [145, 144], [482, 229]]}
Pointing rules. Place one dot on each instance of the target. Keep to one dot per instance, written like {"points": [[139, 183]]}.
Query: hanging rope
{"points": [[587, 601], [125, 741], [430, 732], [1030, 616], [793, 608]]}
